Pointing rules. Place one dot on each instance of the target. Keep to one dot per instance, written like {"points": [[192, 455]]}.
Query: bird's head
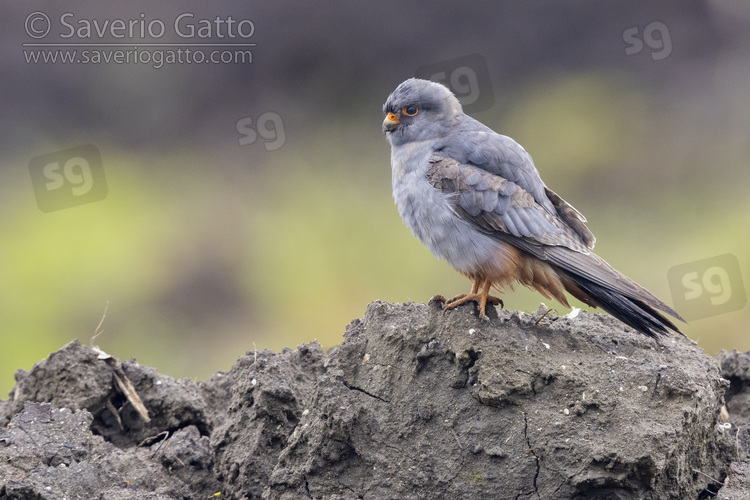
{"points": [[418, 110]]}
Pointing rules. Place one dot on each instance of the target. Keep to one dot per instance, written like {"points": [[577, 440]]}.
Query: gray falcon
{"points": [[474, 198]]}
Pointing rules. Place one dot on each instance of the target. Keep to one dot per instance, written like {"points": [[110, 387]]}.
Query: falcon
{"points": [[474, 198]]}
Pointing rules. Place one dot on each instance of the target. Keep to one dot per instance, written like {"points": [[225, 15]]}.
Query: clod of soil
{"points": [[413, 404]]}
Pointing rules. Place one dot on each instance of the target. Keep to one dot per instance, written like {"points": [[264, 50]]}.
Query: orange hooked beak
{"points": [[390, 123]]}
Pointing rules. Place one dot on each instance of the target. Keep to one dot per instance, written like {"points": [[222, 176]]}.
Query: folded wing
{"points": [[553, 231]]}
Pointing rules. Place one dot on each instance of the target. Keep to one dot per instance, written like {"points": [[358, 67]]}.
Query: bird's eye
{"points": [[410, 110]]}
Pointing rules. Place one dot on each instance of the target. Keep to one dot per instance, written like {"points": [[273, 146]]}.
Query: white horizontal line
{"points": [[139, 44]]}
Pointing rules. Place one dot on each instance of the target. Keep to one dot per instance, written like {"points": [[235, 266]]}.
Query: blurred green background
{"points": [[205, 248]]}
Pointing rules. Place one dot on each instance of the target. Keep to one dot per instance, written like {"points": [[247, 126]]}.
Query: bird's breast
{"points": [[429, 214]]}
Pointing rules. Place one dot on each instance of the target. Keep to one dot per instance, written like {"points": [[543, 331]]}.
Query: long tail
{"points": [[631, 311], [590, 279]]}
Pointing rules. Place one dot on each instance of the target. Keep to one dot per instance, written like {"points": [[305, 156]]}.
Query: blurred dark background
{"points": [[248, 204]]}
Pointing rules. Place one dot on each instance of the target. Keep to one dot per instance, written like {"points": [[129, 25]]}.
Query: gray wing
{"points": [[503, 209], [473, 143], [496, 205]]}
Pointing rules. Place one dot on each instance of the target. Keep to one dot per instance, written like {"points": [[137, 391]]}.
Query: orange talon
{"points": [[437, 298], [480, 298]]}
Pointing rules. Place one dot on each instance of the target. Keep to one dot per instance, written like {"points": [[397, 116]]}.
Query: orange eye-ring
{"points": [[410, 110]]}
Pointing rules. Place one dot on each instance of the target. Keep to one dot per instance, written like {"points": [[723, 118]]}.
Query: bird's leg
{"points": [[480, 298], [483, 300]]}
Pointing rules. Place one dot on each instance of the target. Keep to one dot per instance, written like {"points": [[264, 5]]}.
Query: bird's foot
{"points": [[471, 297], [438, 298], [479, 298]]}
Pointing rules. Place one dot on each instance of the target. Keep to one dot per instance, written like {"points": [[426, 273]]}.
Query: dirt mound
{"points": [[413, 404]]}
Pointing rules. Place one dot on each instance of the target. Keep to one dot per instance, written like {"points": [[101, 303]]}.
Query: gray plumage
{"points": [[475, 199]]}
